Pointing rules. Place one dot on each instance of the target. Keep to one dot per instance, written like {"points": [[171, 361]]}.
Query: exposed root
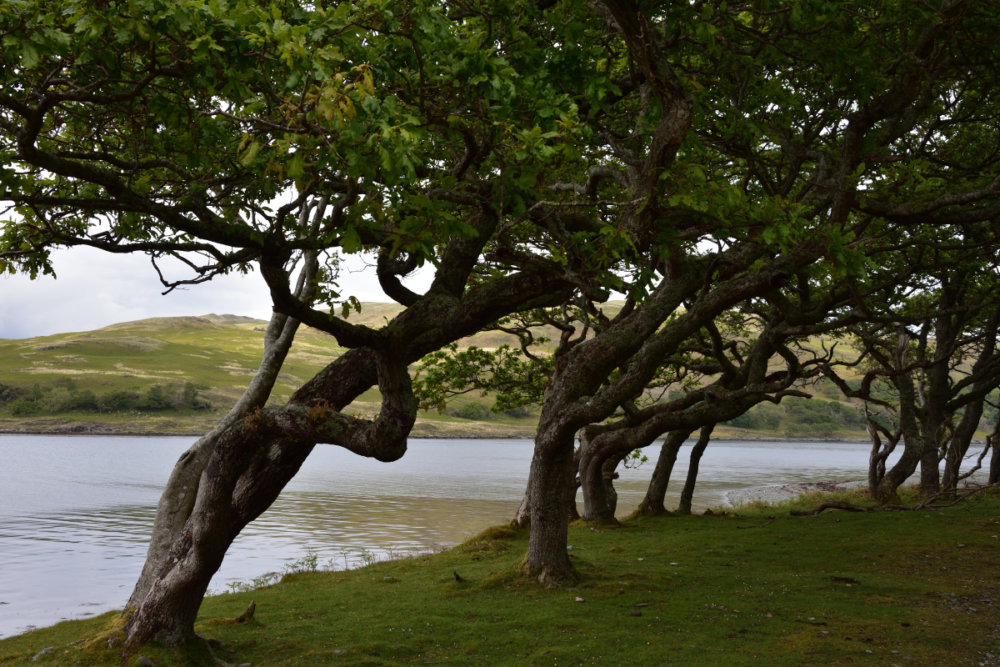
{"points": [[247, 616]]}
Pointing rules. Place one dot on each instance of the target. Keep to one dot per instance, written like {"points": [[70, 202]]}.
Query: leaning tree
{"points": [[805, 126], [750, 153], [283, 136], [928, 355]]}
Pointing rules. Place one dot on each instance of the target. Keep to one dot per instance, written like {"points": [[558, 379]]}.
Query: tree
{"points": [[695, 157], [932, 359], [799, 191], [752, 173], [214, 138]]}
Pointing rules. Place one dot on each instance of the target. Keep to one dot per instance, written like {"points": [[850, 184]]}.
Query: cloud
{"points": [[93, 289]]}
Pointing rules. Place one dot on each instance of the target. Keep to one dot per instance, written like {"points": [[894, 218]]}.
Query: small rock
{"points": [[44, 651], [635, 612], [580, 600], [143, 661], [390, 580]]}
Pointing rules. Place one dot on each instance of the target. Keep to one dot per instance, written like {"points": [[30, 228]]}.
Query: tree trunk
{"points": [[654, 502], [887, 491], [600, 500], [692, 475], [930, 469], [878, 456], [959, 444], [551, 483], [919, 435], [232, 475], [994, 474], [249, 466], [610, 474], [522, 517], [166, 611], [175, 524], [595, 466]]}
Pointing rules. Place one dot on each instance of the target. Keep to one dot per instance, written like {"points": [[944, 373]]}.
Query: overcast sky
{"points": [[93, 289]]}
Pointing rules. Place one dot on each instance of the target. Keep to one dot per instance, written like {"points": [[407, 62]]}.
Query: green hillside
{"points": [[176, 375], [180, 375]]}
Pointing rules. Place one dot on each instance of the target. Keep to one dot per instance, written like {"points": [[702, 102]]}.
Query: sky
{"points": [[93, 289]]}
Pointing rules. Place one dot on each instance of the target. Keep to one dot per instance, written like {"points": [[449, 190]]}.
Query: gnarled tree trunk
{"points": [[687, 493], [654, 502], [551, 483], [597, 464], [249, 466], [233, 475]]}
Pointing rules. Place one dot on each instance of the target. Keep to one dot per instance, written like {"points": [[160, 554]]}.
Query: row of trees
{"points": [[786, 169], [67, 397]]}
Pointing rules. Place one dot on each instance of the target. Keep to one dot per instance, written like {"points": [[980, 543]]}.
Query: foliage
{"points": [[515, 379], [57, 400], [472, 410]]}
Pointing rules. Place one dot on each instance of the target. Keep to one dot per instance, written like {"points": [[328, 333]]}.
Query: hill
{"points": [[180, 375], [177, 375]]}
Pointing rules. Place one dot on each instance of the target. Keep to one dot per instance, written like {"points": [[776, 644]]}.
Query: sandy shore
{"points": [[780, 492]]}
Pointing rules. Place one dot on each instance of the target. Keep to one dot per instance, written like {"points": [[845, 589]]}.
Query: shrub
{"points": [[118, 401], [25, 407], [8, 393], [473, 410]]}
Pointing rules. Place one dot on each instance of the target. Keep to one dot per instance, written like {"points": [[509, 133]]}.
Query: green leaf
{"points": [[296, 167], [29, 55], [249, 155]]}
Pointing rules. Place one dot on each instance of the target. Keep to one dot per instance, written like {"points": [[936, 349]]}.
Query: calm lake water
{"points": [[75, 511]]}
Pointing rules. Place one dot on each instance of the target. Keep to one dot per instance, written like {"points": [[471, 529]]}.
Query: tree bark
{"points": [[692, 474], [654, 502], [596, 470], [247, 469], [879, 454], [958, 446], [994, 474], [522, 517], [551, 482]]}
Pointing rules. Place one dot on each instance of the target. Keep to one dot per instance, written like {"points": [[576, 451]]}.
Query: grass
{"points": [[748, 588]]}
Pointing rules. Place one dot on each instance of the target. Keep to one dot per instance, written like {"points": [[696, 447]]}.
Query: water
{"points": [[75, 511]]}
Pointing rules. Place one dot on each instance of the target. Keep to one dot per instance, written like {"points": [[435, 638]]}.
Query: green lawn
{"points": [[755, 588]]}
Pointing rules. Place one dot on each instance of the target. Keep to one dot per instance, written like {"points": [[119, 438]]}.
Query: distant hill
{"points": [[195, 367], [180, 374]]}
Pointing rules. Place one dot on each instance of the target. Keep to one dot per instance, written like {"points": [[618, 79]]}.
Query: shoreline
{"points": [[77, 431], [440, 436], [772, 494]]}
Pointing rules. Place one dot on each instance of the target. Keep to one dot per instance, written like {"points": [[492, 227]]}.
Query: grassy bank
{"points": [[756, 587]]}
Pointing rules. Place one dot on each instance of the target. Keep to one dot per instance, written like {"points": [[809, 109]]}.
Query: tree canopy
{"points": [[808, 165]]}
